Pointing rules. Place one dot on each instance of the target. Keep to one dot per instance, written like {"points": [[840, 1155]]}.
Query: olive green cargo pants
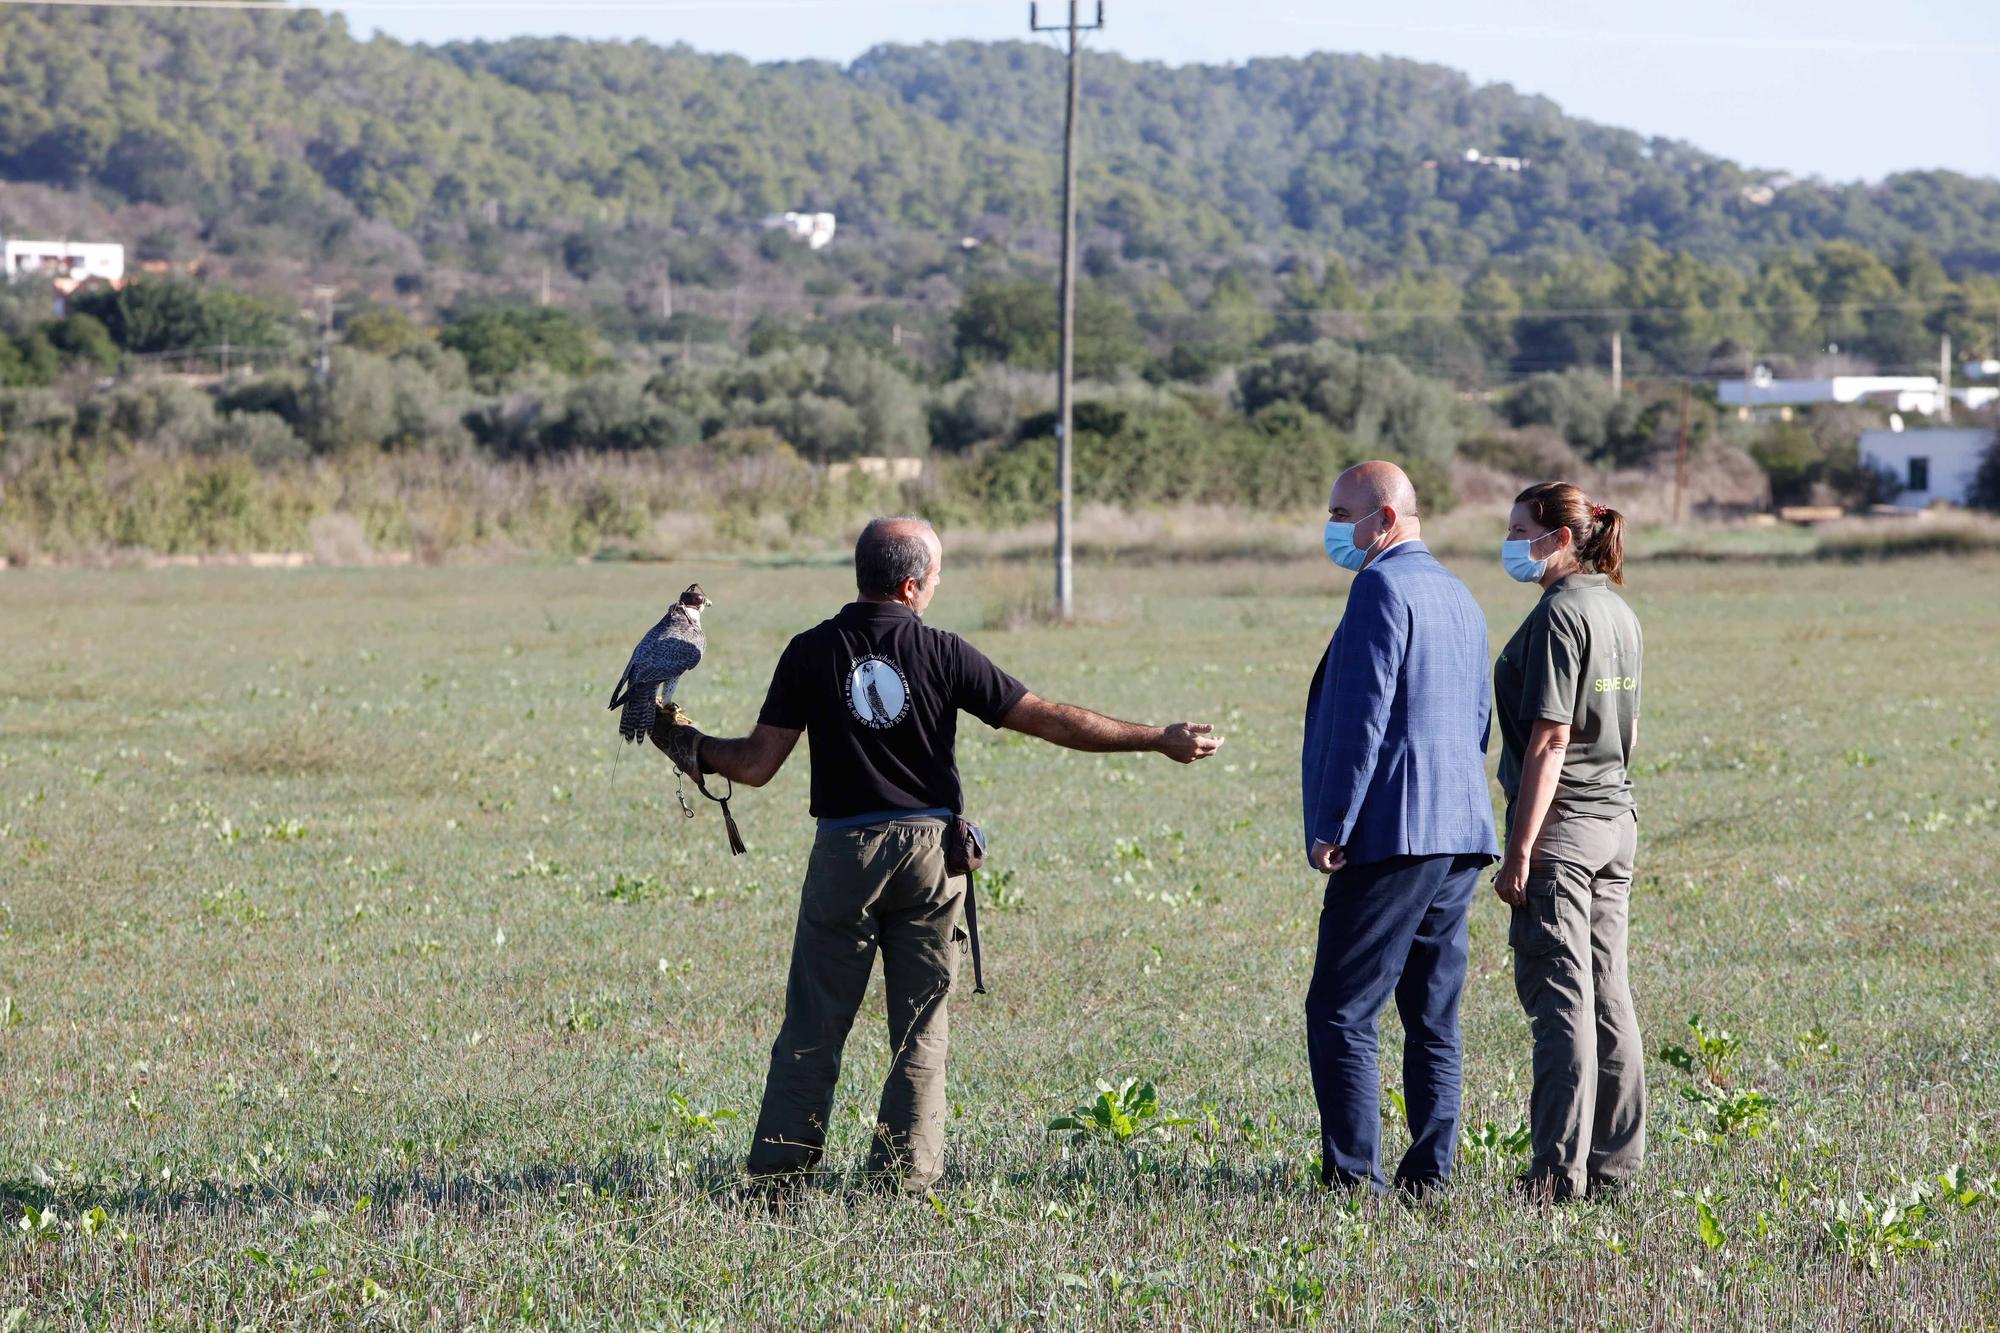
{"points": [[1587, 1111], [882, 889]]}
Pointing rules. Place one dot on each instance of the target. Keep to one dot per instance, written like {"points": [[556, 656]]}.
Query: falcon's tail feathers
{"points": [[637, 723]]}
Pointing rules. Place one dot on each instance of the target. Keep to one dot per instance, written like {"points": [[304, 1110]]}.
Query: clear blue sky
{"points": [[1843, 89]]}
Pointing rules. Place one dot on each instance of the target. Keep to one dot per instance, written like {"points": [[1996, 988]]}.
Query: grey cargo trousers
{"points": [[882, 889], [1587, 1110]]}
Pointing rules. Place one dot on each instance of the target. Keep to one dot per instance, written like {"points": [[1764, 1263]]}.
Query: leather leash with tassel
{"points": [[681, 743], [736, 847]]}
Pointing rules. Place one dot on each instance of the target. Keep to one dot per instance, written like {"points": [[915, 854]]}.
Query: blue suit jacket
{"points": [[1394, 762]]}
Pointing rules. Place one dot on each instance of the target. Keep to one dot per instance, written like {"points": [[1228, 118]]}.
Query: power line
{"points": [[1716, 41], [1942, 305], [1728, 42], [149, 4], [636, 6], [1610, 311]]}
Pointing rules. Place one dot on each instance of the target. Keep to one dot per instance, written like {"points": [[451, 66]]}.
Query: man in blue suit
{"points": [[1399, 819]]}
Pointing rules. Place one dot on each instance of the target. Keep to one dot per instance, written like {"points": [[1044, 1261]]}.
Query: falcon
{"points": [[669, 651]]}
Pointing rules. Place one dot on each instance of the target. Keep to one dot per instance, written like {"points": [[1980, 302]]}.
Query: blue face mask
{"points": [[1514, 555], [1340, 547]]}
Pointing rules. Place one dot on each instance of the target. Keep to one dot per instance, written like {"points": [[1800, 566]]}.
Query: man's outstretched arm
{"points": [[748, 761], [1076, 728]]}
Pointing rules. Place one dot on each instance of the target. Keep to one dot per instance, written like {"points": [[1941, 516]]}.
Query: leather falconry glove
{"points": [[682, 744]]}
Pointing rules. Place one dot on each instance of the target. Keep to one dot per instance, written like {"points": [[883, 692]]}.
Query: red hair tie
{"points": [[1598, 512]]}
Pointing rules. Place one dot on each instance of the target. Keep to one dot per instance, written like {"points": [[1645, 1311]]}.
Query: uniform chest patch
{"points": [[877, 693]]}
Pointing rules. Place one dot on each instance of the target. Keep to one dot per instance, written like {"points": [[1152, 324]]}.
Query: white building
{"points": [[71, 261], [1920, 394], [1936, 463], [815, 229]]}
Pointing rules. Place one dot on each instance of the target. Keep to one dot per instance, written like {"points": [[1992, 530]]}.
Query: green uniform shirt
{"points": [[1575, 659]]}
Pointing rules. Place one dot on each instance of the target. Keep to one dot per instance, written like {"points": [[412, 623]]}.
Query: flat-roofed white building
{"points": [[1931, 464], [76, 261], [1921, 394], [815, 229]]}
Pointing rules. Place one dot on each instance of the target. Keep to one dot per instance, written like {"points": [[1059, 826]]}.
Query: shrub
{"points": [[161, 414], [28, 361], [1607, 429], [829, 404], [1817, 461], [1537, 453], [499, 341], [372, 402], [263, 438], [83, 338], [1373, 399], [1986, 481], [1020, 323], [1136, 452], [614, 412], [987, 404], [280, 395], [384, 330], [176, 315]]}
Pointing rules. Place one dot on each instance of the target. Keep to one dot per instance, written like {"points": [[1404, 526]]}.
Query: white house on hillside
{"points": [[815, 229], [1920, 394], [74, 261], [1931, 464]]}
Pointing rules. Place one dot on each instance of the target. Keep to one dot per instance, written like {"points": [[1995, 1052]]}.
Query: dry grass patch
{"points": [[286, 753]]}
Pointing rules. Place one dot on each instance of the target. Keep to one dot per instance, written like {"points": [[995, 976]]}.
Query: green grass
{"points": [[356, 973]]}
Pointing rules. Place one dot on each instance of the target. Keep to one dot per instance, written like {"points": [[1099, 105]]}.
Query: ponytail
{"points": [[1604, 550], [1597, 530]]}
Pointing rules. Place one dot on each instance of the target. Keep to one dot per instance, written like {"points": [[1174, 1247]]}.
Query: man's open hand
{"points": [[1185, 742], [1326, 858]]}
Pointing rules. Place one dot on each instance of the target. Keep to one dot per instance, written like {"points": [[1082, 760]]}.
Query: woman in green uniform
{"points": [[1566, 690]]}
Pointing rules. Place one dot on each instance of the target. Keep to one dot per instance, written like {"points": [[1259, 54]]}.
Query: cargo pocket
{"points": [[1536, 928]]}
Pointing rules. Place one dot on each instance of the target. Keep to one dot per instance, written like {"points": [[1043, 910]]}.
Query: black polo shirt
{"points": [[878, 694]]}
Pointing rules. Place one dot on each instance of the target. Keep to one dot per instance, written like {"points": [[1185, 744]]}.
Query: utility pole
{"points": [[1617, 363], [666, 288], [324, 366], [1066, 369], [545, 284], [1681, 458], [1944, 378]]}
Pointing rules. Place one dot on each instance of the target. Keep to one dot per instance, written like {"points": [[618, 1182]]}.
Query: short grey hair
{"points": [[889, 551]]}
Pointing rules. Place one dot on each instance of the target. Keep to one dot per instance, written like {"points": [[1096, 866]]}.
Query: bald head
{"points": [[1366, 487], [1378, 499]]}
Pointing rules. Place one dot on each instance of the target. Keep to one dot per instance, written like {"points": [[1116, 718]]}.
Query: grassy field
{"points": [[352, 973]]}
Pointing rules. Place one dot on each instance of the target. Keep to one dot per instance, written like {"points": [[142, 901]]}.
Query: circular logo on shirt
{"points": [[877, 694]]}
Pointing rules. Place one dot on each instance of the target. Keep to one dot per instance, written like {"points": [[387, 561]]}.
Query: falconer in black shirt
{"points": [[877, 693]]}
